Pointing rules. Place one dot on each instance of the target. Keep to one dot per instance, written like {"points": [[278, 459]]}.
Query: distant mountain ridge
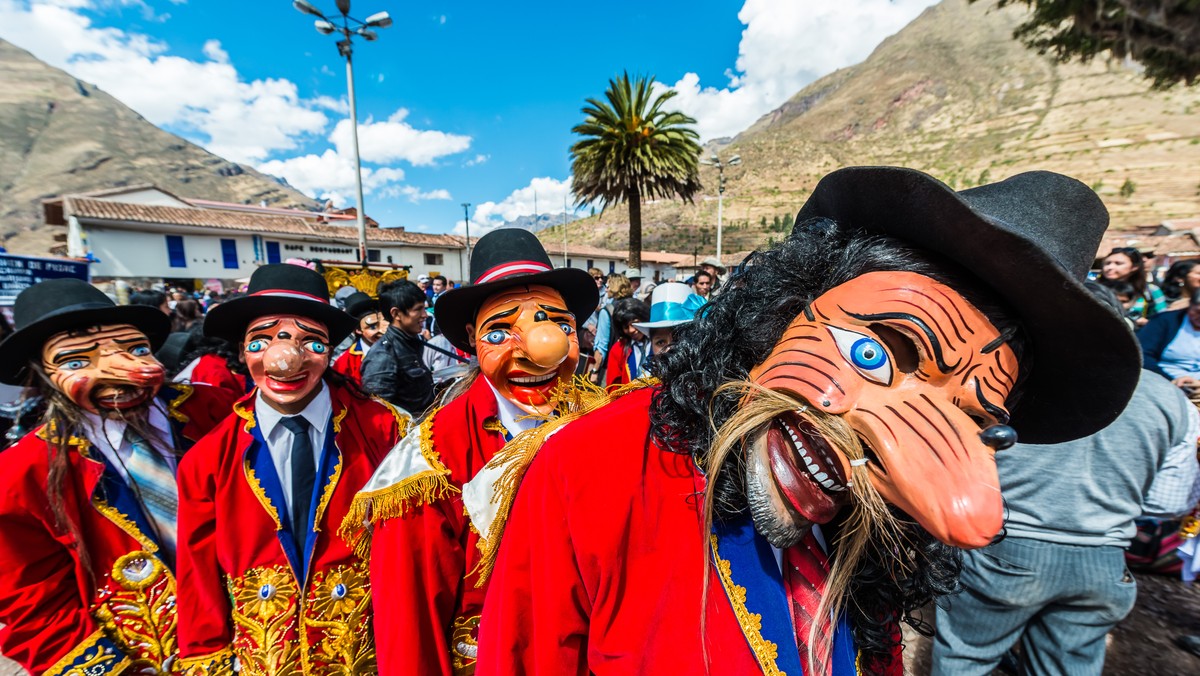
{"points": [[60, 135], [954, 95]]}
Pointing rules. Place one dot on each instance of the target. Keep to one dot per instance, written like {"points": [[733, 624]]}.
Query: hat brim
{"points": [[26, 343], [457, 307], [228, 321], [1083, 363], [662, 324]]}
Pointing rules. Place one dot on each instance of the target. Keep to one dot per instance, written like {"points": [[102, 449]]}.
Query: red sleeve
{"points": [[341, 364], [416, 572], [615, 370], [535, 618], [202, 603], [43, 614], [212, 370]]}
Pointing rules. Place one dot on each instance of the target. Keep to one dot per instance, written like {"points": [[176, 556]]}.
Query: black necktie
{"points": [[304, 474]]}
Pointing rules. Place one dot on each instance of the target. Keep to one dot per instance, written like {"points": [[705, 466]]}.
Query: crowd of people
{"points": [[543, 470]]}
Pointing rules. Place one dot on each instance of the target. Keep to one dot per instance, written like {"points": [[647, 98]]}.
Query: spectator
{"points": [[393, 369], [1125, 264], [1181, 281], [1171, 346], [1057, 582], [187, 315], [702, 284], [424, 282], [587, 329], [152, 298], [627, 358], [712, 265], [634, 275], [618, 287], [671, 305]]}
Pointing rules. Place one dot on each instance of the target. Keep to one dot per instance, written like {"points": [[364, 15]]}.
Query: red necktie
{"points": [[805, 570]]}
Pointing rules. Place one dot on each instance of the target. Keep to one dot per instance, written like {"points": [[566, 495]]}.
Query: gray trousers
{"points": [[1059, 600]]}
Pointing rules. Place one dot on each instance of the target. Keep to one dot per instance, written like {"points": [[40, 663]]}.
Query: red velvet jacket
{"points": [[349, 363], [245, 590], [423, 548], [602, 565], [213, 370], [57, 619]]}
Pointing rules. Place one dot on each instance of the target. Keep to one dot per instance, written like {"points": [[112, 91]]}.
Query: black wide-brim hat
{"points": [[279, 289], [359, 305], [1031, 239], [58, 305], [502, 259]]}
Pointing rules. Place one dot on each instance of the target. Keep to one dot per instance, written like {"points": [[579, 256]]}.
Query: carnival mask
{"points": [[108, 368], [286, 356], [921, 377], [526, 344], [372, 327]]}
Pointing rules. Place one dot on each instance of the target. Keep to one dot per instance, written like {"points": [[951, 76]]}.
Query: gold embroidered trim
{"points": [[219, 663], [185, 393], [136, 608], [403, 418], [257, 489], [392, 502], [570, 401], [102, 661], [327, 494], [464, 645], [123, 522], [242, 408], [765, 651]]}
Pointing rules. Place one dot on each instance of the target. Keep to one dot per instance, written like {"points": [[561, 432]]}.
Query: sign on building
{"points": [[18, 273]]}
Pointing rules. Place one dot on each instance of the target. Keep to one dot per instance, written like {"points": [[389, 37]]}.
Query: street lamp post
{"points": [[467, 225], [349, 28], [716, 162]]}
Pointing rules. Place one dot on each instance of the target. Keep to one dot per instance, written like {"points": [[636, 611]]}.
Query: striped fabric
{"points": [[805, 570], [155, 484]]}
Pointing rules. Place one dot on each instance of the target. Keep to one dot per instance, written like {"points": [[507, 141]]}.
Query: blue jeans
{"points": [[1059, 600]]}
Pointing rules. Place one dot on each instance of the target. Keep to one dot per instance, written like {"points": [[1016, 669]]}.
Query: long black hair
{"points": [[739, 328]]}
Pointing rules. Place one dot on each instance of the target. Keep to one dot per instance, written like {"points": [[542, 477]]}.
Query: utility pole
{"points": [[467, 226], [716, 162]]}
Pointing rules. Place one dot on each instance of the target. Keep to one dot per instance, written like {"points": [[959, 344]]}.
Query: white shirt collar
{"points": [[511, 415], [107, 435], [364, 346], [317, 412]]}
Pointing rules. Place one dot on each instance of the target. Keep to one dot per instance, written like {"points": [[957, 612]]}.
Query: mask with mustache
{"points": [[103, 369]]}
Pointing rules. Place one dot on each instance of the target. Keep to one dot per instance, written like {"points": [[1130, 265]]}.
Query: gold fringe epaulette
{"points": [[371, 507], [571, 402]]}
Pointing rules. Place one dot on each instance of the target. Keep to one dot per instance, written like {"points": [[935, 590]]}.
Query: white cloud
{"points": [[415, 194], [550, 193], [477, 160], [330, 175], [243, 121], [395, 140], [786, 45]]}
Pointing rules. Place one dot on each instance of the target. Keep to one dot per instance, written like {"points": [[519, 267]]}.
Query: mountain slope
{"points": [[954, 95], [58, 134]]}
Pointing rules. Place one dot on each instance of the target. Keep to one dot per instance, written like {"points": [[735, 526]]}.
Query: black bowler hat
{"points": [[58, 305], [505, 258], [280, 289], [1031, 239], [359, 305]]}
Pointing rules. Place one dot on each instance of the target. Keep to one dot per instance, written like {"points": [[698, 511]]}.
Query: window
{"points": [[273, 256], [175, 254], [568, 262], [229, 254], [591, 264], [373, 255], [433, 259], [612, 267]]}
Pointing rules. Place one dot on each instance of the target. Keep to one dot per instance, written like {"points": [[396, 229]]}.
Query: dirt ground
{"points": [[1141, 645]]}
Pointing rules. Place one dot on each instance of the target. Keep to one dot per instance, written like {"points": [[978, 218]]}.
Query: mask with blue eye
{"points": [[256, 345], [866, 354], [140, 351], [74, 365], [566, 328], [316, 347], [495, 337]]}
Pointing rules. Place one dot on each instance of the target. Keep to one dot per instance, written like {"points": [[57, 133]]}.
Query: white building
{"points": [[657, 266], [146, 233]]}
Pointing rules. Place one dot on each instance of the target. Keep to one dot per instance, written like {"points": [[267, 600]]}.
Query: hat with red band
{"points": [[502, 259], [280, 289]]}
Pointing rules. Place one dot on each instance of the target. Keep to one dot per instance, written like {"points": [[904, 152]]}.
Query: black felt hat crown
{"points": [[359, 305], [281, 288], [58, 305], [1031, 239], [502, 259]]}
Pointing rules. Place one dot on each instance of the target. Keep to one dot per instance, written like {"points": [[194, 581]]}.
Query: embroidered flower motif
{"points": [[264, 592], [339, 592]]}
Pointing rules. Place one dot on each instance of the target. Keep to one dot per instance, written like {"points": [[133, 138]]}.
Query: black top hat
{"points": [[56, 305], [1031, 239], [282, 288], [359, 305], [505, 258]]}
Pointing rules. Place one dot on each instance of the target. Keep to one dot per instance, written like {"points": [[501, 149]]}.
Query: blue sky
{"points": [[468, 101]]}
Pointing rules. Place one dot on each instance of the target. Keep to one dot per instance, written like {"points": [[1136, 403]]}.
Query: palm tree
{"points": [[632, 148]]}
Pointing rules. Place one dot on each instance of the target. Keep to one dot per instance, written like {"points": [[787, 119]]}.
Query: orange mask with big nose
{"points": [[526, 343], [921, 375], [103, 368], [286, 356]]}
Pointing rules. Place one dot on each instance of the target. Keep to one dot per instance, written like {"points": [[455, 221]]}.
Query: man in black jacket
{"points": [[393, 369]]}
